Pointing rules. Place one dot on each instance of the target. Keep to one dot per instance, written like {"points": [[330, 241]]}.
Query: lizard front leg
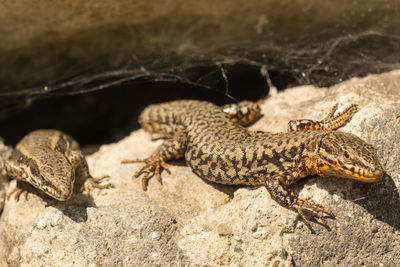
{"points": [[16, 172], [21, 188], [330, 122], [288, 199], [85, 181], [172, 148]]}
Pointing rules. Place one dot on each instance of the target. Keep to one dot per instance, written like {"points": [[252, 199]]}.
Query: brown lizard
{"points": [[50, 160], [218, 149]]}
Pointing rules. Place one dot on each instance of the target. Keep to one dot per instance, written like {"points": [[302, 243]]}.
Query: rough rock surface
{"points": [[188, 221], [5, 152]]}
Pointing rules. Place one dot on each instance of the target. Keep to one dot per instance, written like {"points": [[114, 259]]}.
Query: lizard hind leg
{"points": [[172, 148], [243, 113], [330, 122]]}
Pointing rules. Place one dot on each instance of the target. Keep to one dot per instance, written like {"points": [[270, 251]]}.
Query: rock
{"points": [[5, 152], [187, 221], [120, 226], [127, 232]]}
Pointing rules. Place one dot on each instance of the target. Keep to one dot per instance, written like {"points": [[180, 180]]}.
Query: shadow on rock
{"points": [[75, 208], [227, 189], [382, 200]]}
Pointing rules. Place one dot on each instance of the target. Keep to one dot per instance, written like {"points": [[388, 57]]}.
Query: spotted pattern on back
{"points": [[225, 152], [220, 150]]}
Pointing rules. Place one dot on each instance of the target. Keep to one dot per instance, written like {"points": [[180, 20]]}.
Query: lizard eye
{"points": [[346, 155]]}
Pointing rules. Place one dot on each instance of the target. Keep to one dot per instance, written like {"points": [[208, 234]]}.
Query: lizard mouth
{"points": [[61, 191], [351, 172], [61, 195], [364, 175]]}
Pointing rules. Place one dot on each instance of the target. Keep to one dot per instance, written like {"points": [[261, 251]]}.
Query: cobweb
{"points": [[233, 70], [320, 64]]}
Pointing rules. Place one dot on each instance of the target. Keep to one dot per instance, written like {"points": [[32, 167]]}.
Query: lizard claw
{"points": [[287, 198], [303, 206], [17, 192], [91, 183], [153, 166]]}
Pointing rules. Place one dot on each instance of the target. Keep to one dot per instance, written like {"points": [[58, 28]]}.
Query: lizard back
{"points": [[222, 151]]}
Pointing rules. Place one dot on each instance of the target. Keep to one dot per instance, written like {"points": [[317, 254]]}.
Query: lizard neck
{"points": [[311, 165], [311, 162]]}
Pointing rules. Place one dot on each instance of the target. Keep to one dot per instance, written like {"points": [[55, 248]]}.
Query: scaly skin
{"points": [[50, 160], [220, 150]]}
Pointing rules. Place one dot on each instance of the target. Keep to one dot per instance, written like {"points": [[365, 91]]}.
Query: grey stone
{"points": [[74, 234], [5, 152], [115, 227]]}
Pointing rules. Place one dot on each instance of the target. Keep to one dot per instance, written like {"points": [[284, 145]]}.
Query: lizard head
{"points": [[52, 174], [346, 155]]}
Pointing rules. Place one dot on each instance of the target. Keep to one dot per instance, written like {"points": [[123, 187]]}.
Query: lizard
{"points": [[51, 161], [219, 149]]}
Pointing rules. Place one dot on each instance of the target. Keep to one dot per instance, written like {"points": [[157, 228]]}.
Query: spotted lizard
{"points": [[219, 149], [51, 161]]}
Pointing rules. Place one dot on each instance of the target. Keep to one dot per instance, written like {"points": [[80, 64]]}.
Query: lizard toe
{"points": [[153, 167]]}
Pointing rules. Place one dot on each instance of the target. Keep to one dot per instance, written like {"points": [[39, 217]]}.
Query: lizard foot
{"points": [[303, 206], [287, 198], [91, 183], [153, 166], [330, 122]]}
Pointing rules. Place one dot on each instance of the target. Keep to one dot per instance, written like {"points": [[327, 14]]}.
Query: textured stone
{"points": [[5, 152], [120, 226], [126, 232], [189, 221]]}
